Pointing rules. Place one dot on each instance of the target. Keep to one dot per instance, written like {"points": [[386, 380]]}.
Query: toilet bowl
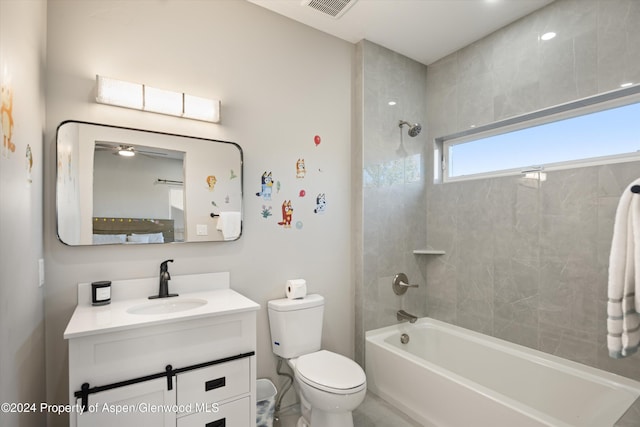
{"points": [[331, 386]]}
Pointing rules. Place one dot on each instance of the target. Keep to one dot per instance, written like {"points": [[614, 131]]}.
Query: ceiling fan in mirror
{"points": [[126, 150]]}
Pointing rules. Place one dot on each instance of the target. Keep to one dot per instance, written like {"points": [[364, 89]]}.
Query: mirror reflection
{"points": [[126, 186]]}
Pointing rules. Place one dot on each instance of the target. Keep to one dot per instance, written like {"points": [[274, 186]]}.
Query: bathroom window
{"points": [[597, 130]]}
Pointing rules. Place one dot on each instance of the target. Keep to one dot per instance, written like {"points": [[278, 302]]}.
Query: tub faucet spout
{"points": [[403, 315]]}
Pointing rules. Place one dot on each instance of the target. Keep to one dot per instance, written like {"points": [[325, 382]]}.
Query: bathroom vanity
{"points": [[181, 361]]}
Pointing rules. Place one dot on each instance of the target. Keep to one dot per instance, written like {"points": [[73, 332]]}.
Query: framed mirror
{"points": [[118, 185]]}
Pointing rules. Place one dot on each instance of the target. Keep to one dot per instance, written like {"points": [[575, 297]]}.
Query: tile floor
{"points": [[373, 412]]}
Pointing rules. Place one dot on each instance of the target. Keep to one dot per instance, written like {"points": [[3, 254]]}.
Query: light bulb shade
{"points": [[162, 101], [201, 108], [118, 92], [127, 151]]}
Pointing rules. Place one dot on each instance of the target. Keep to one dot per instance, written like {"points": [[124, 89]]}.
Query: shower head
{"points": [[414, 129]]}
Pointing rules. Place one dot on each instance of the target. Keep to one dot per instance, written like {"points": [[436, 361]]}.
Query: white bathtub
{"points": [[447, 376]]}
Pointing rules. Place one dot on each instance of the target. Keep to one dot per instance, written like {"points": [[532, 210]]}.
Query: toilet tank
{"points": [[296, 325]]}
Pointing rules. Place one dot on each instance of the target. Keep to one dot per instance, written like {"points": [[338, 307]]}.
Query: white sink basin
{"points": [[167, 305]]}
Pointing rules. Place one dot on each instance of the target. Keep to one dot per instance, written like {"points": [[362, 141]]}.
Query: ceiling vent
{"points": [[333, 8]]}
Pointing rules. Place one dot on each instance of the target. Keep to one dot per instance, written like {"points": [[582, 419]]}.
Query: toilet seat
{"points": [[330, 372]]}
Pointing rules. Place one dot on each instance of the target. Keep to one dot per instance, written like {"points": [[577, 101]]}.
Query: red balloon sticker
{"points": [[317, 140], [302, 193]]}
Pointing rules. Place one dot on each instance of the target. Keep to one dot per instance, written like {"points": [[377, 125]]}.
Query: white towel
{"points": [[623, 320], [230, 224]]}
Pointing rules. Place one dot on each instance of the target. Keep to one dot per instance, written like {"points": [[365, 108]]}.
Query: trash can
{"points": [[266, 402]]}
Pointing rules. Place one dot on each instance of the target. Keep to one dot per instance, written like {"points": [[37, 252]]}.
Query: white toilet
{"points": [[330, 386]]}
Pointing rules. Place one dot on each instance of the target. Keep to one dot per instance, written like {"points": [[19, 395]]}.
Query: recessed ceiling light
{"points": [[626, 84], [548, 36], [392, 103]]}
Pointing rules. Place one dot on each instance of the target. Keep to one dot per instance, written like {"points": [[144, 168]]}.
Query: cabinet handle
{"points": [[169, 370], [213, 384], [217, 423], [85, 397]]}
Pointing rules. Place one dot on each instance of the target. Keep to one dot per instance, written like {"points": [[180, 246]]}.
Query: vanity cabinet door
{"points": [[148, 403], [231, 414]]}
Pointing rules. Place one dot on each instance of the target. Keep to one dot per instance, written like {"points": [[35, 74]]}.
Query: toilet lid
{"points": [[330, 371]]}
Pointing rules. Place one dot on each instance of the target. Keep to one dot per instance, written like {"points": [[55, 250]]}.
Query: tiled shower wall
{"points": [[527, 260], [393, 200]]}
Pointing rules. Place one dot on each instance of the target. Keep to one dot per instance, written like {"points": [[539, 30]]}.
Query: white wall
{"points": [[280, 83], [22, 56], [119, 183]]}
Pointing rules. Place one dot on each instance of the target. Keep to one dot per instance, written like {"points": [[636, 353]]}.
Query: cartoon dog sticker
{"points": [[287, 214], [267, 186], [6, 114], [321, 204], [211, 182], [300, 168]]}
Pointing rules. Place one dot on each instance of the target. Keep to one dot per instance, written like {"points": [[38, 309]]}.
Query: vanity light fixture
{"points": [[142, 97]]}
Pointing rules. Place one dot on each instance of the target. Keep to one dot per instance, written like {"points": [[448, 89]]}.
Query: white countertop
{"points": [[212, 287]]}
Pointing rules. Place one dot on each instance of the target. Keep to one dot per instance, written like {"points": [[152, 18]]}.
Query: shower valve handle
{"points": [[406, 285], [401, 284]]}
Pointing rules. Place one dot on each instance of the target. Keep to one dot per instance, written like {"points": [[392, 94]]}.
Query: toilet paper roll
{"points": [[296, 288]]}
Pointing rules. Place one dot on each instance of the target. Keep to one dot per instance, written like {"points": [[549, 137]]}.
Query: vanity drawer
{"points": [[214, 384], [231, 414]]}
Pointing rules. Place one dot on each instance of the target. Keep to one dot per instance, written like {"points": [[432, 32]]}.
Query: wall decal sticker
{"points": [[266, 212], [29, 163], [302, 193], [211, 182], [287, 214], [299, 225], [6, 114], [278, 187], [266, 186], [316, 140], [321, 204], [300, 168], [232, 175]]}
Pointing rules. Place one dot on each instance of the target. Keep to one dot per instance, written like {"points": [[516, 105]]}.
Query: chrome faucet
{"points": [[163, 291], [403, 315]]}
